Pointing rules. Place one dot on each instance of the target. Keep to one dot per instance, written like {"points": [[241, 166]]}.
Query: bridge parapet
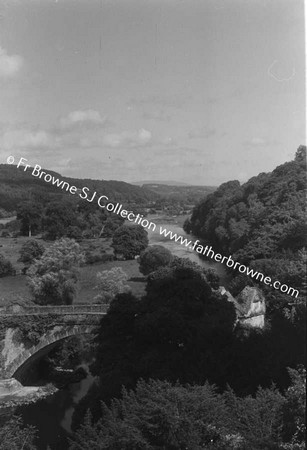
{"points": [[54, 323], [52, 309]]}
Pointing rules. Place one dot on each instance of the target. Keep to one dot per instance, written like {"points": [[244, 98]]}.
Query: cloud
{"points": [[56, 140], [128, 139], [82, 117], [26, 139], [9, 64]]}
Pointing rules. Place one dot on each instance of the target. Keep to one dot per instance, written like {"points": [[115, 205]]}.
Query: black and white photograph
{"points": [[153, 229]]}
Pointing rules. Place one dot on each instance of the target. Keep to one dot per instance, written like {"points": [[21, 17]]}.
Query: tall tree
{"points": [[58, 218], [53, 278], [31, 250], [129, 241], [179, 330], [110, 283], [153, 258], [30, 215]]}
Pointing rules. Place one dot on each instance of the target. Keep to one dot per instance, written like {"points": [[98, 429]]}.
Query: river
{"points": [[175, 225], [52, 416]]}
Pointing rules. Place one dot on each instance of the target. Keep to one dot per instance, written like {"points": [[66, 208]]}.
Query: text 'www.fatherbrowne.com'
{"points": [[116, 208], [210, 253]]}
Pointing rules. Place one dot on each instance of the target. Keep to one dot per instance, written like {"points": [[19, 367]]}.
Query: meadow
{"points": [[14, 289]]}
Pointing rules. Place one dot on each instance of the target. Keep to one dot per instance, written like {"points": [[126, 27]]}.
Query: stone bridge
{"points": [[58, 323]]}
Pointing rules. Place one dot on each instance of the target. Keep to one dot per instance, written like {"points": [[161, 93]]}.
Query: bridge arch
{"points": [[20, 365], [68, 321]]}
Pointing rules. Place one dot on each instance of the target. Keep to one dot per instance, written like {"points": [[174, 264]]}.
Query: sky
{"points": [[197, 91]]}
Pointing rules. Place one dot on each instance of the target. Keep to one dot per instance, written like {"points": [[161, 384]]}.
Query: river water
{"points": [[175, 225], [52, 416]]}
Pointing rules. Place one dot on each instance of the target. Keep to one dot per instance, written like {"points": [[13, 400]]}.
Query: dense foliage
{"points": [[153, 258], [53, 278], [183, 329], [110, 283], [166, 334], [129, 241], [30, 251], [161, 415], [261, 223], [17, 186], [14, 436], [6, 267], [29, 331]]}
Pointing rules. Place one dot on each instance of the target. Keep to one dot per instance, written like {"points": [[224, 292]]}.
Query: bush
{"points": [[6, 267], [74, 232], [129, 241], [110, 283], [30, 251], [153, 258], [53, 278]]}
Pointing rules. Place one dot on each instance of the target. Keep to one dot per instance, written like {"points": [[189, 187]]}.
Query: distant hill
{"points": [[185, 193], [17, 186], [166, 183]]}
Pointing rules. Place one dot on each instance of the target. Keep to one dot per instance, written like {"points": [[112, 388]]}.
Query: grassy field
{"points": [[88, 279], [14, 289], [10, 248]]}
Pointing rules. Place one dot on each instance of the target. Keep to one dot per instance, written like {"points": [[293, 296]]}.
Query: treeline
{"points": [[160, 415], [261, 224], [17, 186], [181, 194]]}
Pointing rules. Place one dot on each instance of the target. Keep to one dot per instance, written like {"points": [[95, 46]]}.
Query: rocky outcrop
{"points": [[13, 393], [9, 386], [249, 305]]}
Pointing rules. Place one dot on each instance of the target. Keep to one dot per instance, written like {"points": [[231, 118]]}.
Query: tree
{"points": [[110, 283], [257, 418], [129, 240], [14, 436], [294, 411], [153, 258], [6, 267], [159, 415], [187, 226], [30, 215], [162, 415], [58, 219], [179, 330], [30, 251], [111, 225], [300, 155], [53, 278]]}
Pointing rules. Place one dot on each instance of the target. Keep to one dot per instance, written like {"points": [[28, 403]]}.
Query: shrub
{"points": [[6, 267], [153, 258], [30, 251], [110, 283], [129, 241], [53, 278]]}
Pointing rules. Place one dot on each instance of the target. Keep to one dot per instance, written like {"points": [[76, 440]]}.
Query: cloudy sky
{"points": [[198, 91]]}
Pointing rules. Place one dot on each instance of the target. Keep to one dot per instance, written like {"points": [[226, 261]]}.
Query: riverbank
{"points": [[13, 393]]}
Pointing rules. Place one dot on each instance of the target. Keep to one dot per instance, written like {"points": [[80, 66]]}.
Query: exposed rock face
{"points": [[13, 393], [252, 308], [9, 386], [249, 305]]}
